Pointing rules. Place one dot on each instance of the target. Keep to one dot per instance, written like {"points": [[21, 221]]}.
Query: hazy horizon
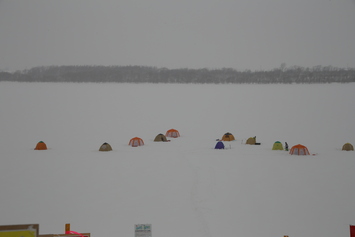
{"points": [[244, 35]]}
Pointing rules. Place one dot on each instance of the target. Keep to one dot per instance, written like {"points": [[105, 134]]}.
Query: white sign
{"points": [[143, 230]]}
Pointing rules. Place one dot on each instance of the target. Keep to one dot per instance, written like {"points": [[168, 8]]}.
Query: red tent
{"points": [[172, 133], [299, 150], [136, 141]]}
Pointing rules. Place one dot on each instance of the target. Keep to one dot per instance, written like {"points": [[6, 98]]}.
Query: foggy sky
{"points": [[241, 34]]}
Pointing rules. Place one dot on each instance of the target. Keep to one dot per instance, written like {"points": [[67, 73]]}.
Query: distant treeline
{"points": [[144, 74]]}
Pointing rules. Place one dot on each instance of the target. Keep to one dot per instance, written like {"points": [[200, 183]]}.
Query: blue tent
{"points": [[219, 145]]}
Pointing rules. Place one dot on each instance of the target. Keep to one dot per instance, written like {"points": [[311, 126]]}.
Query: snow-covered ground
{"points": [[183, 187]]}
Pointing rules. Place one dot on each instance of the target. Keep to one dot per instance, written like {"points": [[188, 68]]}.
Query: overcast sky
{"points": [[241, 34]]}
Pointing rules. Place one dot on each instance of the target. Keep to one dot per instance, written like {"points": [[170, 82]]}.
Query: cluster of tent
{"points": [[229, 137], [134, 142], [295, 150], [137, 141]]}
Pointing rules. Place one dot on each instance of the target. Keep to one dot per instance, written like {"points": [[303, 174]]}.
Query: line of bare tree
{"points": [[144, 74]]}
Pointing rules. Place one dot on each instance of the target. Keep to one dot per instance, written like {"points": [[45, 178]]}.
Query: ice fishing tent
{"points": [[347, 147], [41, 146], [172, 133], [105, 147], [136, 141], [228, 137], [219, 145], [277, 146], [299, 150], [160, 138], [251, 141]]}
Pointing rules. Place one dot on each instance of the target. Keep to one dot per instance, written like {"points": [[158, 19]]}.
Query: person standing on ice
{"points": [[286, 146]]}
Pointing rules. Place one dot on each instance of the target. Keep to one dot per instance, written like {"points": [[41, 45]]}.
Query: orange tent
{"points": [[41, 146], [299, 150], [136, 141], [228, 137], [172, 133]]}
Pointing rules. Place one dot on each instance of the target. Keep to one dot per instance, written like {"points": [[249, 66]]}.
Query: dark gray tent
{"points": [[105, 147], [160, 138], [348, 147]]}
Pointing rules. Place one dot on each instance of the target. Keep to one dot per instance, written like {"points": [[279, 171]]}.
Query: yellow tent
{"points": [[277, 146]]}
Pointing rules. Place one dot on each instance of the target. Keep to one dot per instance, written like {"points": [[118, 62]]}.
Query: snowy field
{"points": [[184, 188]]}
